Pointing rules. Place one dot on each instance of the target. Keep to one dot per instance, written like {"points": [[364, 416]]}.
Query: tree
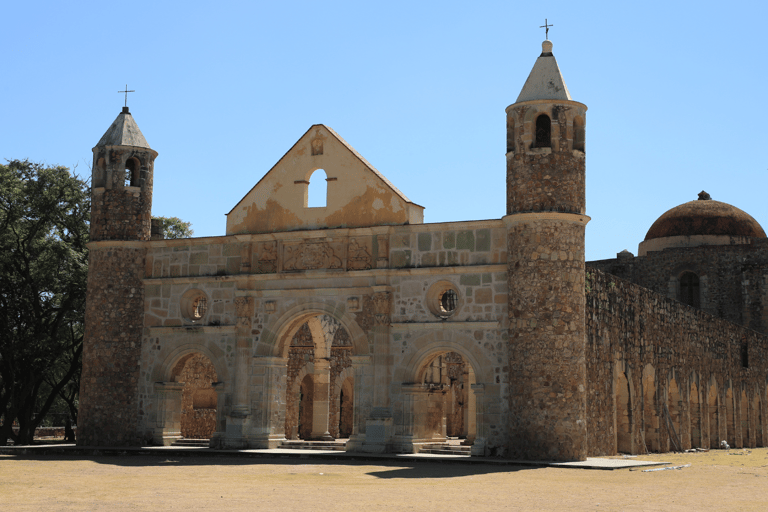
{"points": [[174, 227], [44, 214]]}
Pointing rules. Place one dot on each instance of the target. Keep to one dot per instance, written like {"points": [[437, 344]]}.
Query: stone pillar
{"points": [[267, 428], [403, 442], [361, 397], [321, 380], [478, 446], [237, 419], [168, 423]]}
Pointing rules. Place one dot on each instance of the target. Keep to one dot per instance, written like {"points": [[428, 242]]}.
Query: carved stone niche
{"points": [[312, 255]]}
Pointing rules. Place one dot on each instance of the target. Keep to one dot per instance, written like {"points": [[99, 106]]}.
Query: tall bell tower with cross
{"points": [[545, 221], [121, 213]]}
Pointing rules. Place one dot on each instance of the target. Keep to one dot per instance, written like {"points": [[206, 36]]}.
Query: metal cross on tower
{"points": [[544, 26], [126, 91]]}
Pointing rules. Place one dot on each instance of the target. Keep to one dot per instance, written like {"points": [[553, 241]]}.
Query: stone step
{"points": [[445, 449], [314, 445], [192, 442]]}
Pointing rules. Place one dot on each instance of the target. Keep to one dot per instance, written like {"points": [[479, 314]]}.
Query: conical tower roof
{"points": [[124, 132], [545, 81]]}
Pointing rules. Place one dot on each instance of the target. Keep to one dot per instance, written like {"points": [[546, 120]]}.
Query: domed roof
{"points": [[705, 217]]}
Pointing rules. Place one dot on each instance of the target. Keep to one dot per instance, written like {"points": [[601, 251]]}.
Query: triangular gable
{"points": [[358, 195]]}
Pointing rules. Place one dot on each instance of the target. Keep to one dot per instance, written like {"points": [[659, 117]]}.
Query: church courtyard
{"points": [[715, 480]]}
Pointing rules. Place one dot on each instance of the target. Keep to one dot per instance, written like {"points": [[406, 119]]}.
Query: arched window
{"points": [[100, 174], [543, 132], [510, 133], [317, 190], [132, 168], [689, 289], [578, 134]]}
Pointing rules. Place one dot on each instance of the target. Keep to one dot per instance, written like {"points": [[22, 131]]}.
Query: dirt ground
{"points": [[717, 480]]}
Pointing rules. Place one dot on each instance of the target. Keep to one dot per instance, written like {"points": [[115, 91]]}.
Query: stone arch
{"points": [[277, 337], [674, 413], [164, 372], [695, 413], [624, 420], [292, 419], [132, 171], [650, 414], [713, 401], [730, 416], [579, 134], [744, 417], [413, 368], [542, 135], [343, 399]]}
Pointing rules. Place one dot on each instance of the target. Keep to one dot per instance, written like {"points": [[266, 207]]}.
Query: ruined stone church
{"points": [[356, 321]]}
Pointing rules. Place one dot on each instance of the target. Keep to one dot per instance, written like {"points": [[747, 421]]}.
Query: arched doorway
{"points": [[445, 408], [198, 397], [714, 416], [730, 422], [319, 363], [696, 441]]}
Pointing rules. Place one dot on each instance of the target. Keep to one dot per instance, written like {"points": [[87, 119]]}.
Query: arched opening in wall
{"points": [[744, 417], [579, 135], [317, 190], [445, 410], [695, 416], [689, 289], [198, 397], [306, 409], [650, 417], [510, 133], [132, 170], [100, 173], [714, 416], [346, 409], [543, 132], [319, 371], [758, 412], [674, 414], [730, 417], [623, 414]]}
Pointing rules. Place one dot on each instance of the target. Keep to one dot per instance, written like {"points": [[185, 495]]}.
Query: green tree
{"points": [[174, 227], [44, 214]]}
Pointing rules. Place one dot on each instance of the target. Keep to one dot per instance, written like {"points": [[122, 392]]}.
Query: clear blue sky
{"points": [[674, 89]]}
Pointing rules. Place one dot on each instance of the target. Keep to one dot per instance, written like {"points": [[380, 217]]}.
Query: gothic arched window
{"points": [[132, 169], [689, 289], [543, 132], [578, 134]]}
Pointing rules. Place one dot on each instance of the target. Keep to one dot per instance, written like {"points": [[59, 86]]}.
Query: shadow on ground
{"points": [[389, 469]]}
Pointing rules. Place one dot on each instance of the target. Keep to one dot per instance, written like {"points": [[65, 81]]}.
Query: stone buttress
{"points": [[545, 222], [120, 225]]}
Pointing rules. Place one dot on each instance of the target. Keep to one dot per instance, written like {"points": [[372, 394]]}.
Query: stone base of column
{"points": [[323, 436], [263, 441], [378, 434], [355, 443], [403, 444], [478, 448], [163, 437]]}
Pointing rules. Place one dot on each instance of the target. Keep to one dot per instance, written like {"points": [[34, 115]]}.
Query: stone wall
{"points": [[733, 279], [686, 372]]}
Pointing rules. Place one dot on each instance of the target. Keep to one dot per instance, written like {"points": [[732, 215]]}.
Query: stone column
{"points": [[404, 441], [361, 398], [267, 428], [321, 380], [168, 424], [237, 420], [478, 446]]}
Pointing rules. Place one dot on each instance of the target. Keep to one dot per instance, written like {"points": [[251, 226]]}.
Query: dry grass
{"points": [[715, 481]]}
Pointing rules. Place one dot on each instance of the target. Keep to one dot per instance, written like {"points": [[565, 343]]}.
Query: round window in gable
{"points": [[194, 305], [443, 299]]}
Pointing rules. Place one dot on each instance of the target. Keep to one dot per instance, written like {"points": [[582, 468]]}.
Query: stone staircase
{"points": [[191, 443], [445, 449], [337, 445]]}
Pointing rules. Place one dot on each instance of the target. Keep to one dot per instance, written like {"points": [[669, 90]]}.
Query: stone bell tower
{"points": [[121, 212], [545, 222]]}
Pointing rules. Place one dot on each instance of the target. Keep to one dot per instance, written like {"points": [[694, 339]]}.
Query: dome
{"points": [[705, 217]]}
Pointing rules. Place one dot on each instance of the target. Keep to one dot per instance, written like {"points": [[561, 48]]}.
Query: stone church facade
{"points": [[355, 320]]}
